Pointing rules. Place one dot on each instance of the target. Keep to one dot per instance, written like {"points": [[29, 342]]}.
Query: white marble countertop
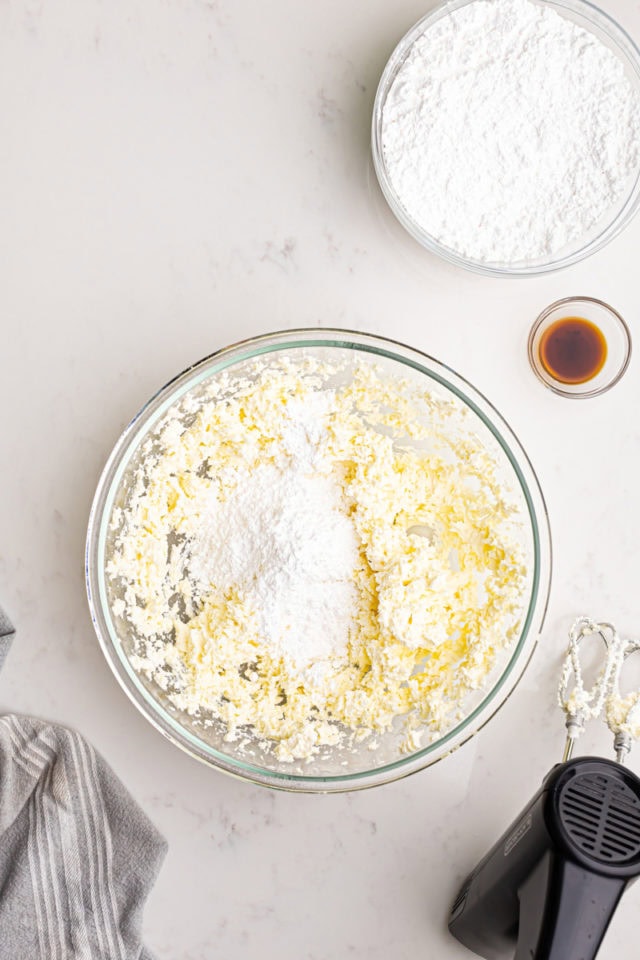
{"points": [[179, 174]]}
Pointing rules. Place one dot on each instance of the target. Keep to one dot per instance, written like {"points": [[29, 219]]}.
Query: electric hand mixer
{"points": [[549, 887]]}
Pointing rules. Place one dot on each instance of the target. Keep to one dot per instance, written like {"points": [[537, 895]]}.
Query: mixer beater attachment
{"points": [[581, 704]]}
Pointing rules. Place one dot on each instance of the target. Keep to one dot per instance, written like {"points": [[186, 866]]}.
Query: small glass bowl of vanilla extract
{"points": [[579, 347]]}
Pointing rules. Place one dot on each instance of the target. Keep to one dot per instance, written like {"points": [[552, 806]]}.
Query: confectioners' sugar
{"points": [[509, 131]]}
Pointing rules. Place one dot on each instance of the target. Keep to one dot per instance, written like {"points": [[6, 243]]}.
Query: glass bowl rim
{"points": [[628, 51], [557, 387], [247, 349]]}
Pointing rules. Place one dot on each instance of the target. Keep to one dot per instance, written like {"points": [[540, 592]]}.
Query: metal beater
{"points": [[580, 704]]}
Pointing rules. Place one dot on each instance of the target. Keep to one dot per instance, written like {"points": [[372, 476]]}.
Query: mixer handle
{"points": [[565, 910]]}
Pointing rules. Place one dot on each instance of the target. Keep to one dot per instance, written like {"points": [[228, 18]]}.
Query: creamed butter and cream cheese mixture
{"points": [[312, 554]]}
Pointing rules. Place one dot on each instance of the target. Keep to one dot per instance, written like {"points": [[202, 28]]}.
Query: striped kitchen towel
{"points": [[77, 855]]}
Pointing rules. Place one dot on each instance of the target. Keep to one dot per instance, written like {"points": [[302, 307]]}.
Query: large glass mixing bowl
{"points": [[337, 769]]}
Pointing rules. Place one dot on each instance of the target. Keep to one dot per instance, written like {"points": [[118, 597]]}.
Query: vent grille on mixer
{"points": [[602, 816]]}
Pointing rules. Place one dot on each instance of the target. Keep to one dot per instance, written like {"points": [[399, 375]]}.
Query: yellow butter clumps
{"points": [[437, 583]]}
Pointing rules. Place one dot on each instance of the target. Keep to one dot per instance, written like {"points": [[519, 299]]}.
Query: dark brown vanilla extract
{"points": [[573, 350]]}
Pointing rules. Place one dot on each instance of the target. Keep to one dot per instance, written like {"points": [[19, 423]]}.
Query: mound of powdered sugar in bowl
{"points": [[509, 133]]}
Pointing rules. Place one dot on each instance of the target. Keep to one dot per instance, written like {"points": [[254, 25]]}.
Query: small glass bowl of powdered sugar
{"points": [[506, 133]]}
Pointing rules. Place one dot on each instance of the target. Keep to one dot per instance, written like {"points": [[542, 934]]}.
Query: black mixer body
{"points": [[548, 889]]}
